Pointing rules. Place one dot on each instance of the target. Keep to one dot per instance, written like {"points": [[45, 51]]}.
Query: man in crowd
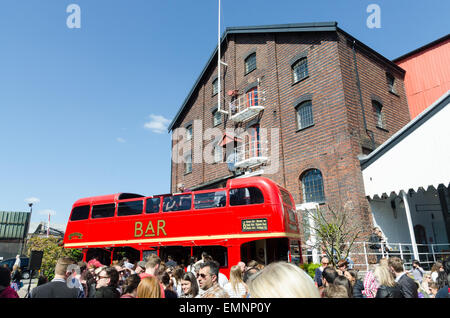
{"points": [[208, 281], [407, 285], [151, 269], [318, 273], [58, 288]]}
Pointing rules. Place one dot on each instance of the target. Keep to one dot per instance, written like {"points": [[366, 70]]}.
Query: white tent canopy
{"points": [[416, 156]]}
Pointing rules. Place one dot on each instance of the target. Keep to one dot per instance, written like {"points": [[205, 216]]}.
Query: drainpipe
{"points": [[410, 225], [358, 84]]}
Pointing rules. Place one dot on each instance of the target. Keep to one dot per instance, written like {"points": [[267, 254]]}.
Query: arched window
{"points": [[304, 115], [312, 185], [378, 113], [300, 69]]}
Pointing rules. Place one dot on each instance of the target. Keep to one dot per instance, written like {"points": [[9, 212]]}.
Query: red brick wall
{"points": [[333, 144]]}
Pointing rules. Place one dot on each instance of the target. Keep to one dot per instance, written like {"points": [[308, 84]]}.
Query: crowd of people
{"points": [[385, 279], [154, 278]]}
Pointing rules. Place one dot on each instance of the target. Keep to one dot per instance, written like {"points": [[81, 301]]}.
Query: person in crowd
{"points": [[342, 266], [282, 280], [357, 284], [241, 266], [252, 269], [17, 262], [191, 264], [370, 283], [443, 280], [387, 287], [434, 288], [42, 280], [435, 269], [89, 283], [318, 273], [417, 271], [335, 291], [329, 274], [202, 260], [170, 262], [107, 283], [341, 280], [208, 281], [149, 287], [425, 285], [58, 288], [6, 291], [189, 286], [178, 276], [222, 279], [407, 285], [236, 287], [169, 291], [153, 267], [16, 276], [130, 286], [375, 242]]}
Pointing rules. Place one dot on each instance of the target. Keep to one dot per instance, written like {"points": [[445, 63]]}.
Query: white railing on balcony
{"points": [[250, 154], [247, 106]]}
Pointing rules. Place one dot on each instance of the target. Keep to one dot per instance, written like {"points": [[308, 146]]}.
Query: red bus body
{"points": [[229, 226]]}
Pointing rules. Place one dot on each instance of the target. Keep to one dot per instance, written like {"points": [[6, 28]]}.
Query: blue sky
{"points": [[83, 110]]}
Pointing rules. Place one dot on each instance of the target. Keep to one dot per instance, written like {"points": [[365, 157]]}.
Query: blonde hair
{"points": [[149, 288], [384, 276], [236, 277], [282, 280]]}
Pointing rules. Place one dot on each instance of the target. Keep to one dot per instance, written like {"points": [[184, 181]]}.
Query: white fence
{"points": [[361, 254]]}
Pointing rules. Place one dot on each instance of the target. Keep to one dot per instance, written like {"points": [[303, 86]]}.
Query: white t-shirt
{"points": [[240, 293], [223, 280]]}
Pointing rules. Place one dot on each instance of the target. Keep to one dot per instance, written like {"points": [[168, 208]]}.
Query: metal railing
{"points": [[251, 99], [362, 255], [252, 151]]}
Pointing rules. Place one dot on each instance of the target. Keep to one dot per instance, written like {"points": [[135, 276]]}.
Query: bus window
{"points": [[103, 211], [210, 200], [80, 213], [130, 208], [177, 203], [244, 196], [217, 253], [286, 198], [152, 205]]}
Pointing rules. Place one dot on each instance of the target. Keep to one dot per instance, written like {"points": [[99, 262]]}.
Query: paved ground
{"points": [[24, 290]]}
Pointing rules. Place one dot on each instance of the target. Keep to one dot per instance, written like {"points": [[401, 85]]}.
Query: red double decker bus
{"points": [[250, 219]]}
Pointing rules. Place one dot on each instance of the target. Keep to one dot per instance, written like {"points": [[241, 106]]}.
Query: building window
{"points": [[252, 96], [217, 118], [188, 132], [300, 69], [304, 115], [379, 115], [188, 163], [312, 184], [250, 63], [391, 83], [215, 86]]}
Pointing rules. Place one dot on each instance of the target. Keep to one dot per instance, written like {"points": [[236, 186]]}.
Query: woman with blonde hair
{"points": [[282, 280], [236, 287], [149, 288], [388, 288]]}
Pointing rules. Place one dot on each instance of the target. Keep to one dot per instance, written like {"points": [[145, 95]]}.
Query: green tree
{"points": [[53, 249]]}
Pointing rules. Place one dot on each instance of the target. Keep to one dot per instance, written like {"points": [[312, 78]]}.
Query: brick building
{"points": [[311, 99]]}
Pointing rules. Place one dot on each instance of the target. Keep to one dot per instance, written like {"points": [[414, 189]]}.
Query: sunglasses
{"points": [[202, 276], [100, 277]]}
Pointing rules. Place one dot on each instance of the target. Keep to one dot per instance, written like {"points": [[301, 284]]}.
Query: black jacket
{"points": [[107, 292], [389, 292], [55, 289], [408, 287], [357, 289]]}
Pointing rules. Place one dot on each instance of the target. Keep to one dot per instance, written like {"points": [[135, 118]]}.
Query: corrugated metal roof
{"points": [[13, 225]]}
